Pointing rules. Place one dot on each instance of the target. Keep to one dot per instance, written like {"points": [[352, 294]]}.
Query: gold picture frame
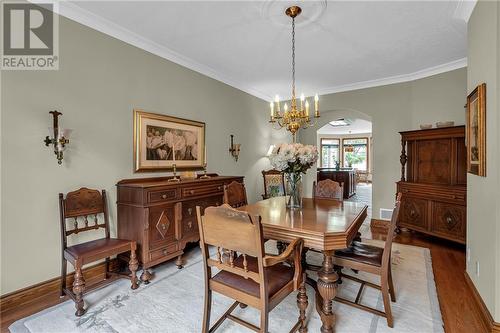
{"points": [[476, 131], [161, 141]]}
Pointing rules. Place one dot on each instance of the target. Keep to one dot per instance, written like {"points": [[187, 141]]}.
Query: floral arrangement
{"points": [[293, 157]]}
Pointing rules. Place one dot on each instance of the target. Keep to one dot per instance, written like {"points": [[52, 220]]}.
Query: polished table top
{"points": [[323, 224]]}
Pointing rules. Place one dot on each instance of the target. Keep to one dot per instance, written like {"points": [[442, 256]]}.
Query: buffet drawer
{"points": [[163, 252], [213, 189], [162, 195]]}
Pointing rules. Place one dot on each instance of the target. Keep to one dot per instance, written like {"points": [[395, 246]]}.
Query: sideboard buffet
{"points": [[433, 182], [161, 215]]}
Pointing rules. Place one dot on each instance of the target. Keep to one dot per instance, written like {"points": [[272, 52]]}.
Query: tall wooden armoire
{"points": [[433, 182]]}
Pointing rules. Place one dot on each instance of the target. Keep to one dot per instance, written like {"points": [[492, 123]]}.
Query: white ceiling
{"points": [[357, 126], [339, 45]]}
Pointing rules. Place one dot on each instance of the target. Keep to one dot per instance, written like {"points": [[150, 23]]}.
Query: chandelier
{"points": [[293, 118]]}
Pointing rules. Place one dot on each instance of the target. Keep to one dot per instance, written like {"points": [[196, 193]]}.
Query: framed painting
{"points": [[161, 141], [476, 131]]}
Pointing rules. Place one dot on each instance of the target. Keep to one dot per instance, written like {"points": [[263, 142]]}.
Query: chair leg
{"points": [[206, 312], [64, 263], [106, 274], [264, 320], [133, 265], [78, 289], [391, 286], [387, 303], [302, 304]]}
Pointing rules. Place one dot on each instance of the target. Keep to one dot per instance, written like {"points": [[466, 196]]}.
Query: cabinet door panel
{"points": [[414, 213], [433, 161], [449, 220], [161, 225]]}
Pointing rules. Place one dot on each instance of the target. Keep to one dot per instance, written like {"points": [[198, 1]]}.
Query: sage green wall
{"points": [[393, 108], [483, 194], [99, 82]]}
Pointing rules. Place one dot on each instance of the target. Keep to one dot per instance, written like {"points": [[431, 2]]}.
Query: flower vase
{"points": [[294, 190]]}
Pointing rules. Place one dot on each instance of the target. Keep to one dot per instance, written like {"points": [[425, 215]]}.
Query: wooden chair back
{"points": [[328, 189], [390, 232], [235, 194], [231, 231], [274, 183], [83, 207]]}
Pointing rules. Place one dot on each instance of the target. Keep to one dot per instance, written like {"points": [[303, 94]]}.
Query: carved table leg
{"points": [[302, 304], [133, 265], [327, 287], [145, 276], [78, 289], [179, 262]]}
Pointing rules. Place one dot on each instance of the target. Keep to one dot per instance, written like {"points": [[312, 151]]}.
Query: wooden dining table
{"points": [[325, 225]]}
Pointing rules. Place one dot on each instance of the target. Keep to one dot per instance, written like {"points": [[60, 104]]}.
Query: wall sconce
{"points": [[60, 137], [234, 149]]}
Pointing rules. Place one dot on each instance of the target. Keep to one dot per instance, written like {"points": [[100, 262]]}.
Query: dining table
{"points": [[325, 225]]}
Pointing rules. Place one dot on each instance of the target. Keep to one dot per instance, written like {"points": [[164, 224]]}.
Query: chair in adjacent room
{"points": [[251, 278], [328, 189], [235, 194], [375, 260], [274, 183], [80, 212]]}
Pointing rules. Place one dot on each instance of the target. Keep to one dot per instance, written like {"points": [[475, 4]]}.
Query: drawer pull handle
{"points": [[449, 220], [190, 211], [191, 192], [163, 226], [164, 196], [190, 224], [219, 188], [164, 251], [217, 203]]}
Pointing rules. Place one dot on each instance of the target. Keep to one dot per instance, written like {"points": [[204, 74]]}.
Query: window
{"points": [[355, 153], [330, 152]]}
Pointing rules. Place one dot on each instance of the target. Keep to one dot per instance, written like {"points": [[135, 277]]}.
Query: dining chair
{"points": [[274, 183], [251, 278], [83, 208], [375, 260], [328, 189], [235, 194]]}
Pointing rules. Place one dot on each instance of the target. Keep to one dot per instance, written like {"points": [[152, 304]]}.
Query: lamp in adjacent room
{"points": [[60, 137]]}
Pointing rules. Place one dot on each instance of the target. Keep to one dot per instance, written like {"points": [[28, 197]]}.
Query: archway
{"points": [[345, 137]]}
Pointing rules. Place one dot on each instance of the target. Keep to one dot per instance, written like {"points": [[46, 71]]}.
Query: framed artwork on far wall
{"points": [[476, 131], [161, 141]]}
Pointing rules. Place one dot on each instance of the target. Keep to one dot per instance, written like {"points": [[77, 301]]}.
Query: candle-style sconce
{"points": [[234, 148], [60, 137]]}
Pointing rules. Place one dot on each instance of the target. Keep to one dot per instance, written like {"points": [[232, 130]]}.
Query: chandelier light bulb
{"points": [[285, 107], [277, 99]]}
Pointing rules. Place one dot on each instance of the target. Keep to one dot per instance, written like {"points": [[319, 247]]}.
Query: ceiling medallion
{"points": [[294, 118]]}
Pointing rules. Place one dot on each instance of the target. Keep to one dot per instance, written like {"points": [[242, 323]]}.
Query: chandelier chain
{"points": [[293, 58]]}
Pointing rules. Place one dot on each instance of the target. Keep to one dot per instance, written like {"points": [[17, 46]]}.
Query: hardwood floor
{"points": [[448, 261]]}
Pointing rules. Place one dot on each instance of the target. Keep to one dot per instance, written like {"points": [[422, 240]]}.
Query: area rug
{"points": [[173, 302]]}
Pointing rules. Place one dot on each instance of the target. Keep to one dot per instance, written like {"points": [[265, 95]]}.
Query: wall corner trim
{"points": [[489, 325]]}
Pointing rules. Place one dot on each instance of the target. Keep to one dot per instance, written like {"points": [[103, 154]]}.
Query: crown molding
{"points": [[456, 64], [82, 16], [464, 9]]}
